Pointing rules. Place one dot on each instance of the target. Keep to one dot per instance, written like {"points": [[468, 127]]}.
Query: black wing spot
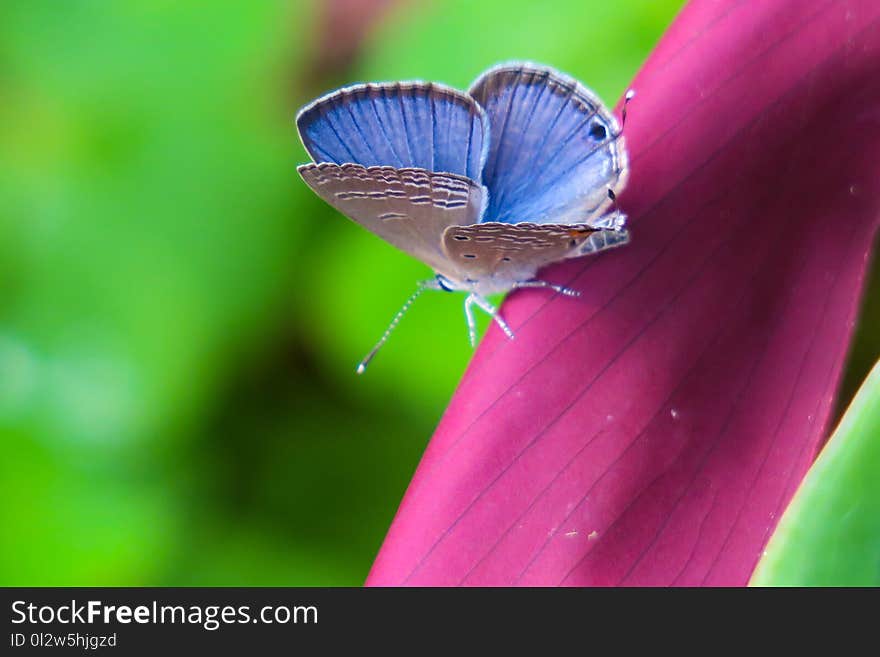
{"points": [[598, 131], [468, 255], [572, 243], [461, 238], [506, 258]]}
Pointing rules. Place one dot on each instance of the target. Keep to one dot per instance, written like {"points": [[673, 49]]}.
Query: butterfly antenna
{"points": [[362, 366], [628, 97], [619, 219]]}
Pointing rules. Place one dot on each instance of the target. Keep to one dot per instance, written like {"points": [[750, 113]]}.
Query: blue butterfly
{"points": [[486, 187]]}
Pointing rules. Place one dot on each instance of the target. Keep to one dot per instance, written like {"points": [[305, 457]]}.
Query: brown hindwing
{"points": [[511, 250]]}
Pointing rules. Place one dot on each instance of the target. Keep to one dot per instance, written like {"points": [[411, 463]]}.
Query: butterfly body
{"points": [[486, 187]]}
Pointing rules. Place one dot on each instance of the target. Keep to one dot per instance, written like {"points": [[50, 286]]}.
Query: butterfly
{"points": [[486, 187]]}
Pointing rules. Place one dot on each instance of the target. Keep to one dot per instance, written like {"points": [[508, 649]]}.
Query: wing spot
{"points": [[470, 256], [461, 238], [598, 132]]}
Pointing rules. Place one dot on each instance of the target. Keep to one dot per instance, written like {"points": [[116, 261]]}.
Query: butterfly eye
{"points": [[598, 132], [444, 283]]}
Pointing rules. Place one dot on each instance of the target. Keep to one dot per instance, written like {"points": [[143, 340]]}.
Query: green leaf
{"points": [[830, 534]]}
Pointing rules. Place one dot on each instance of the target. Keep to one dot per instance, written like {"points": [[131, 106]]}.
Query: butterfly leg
{"points": [[567, 291], [471, 323], [492, 311], [607, 238]]}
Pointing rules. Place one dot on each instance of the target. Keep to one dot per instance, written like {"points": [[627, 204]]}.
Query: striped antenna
{"points": [[628, 97], [362, 366]]}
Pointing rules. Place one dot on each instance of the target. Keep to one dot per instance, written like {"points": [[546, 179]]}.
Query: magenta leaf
{"points": [[652, 431]]}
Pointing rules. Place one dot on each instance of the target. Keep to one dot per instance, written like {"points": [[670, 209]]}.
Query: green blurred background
{"points": [[181, 316]]}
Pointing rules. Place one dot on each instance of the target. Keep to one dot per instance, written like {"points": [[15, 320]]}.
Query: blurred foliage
{"points": [[830, 533], [181, 316]]}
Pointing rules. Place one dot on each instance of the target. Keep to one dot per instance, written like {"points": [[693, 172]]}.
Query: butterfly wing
{"points": [[513, 253], [401, 124], [410, 208], [555, 148]]}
